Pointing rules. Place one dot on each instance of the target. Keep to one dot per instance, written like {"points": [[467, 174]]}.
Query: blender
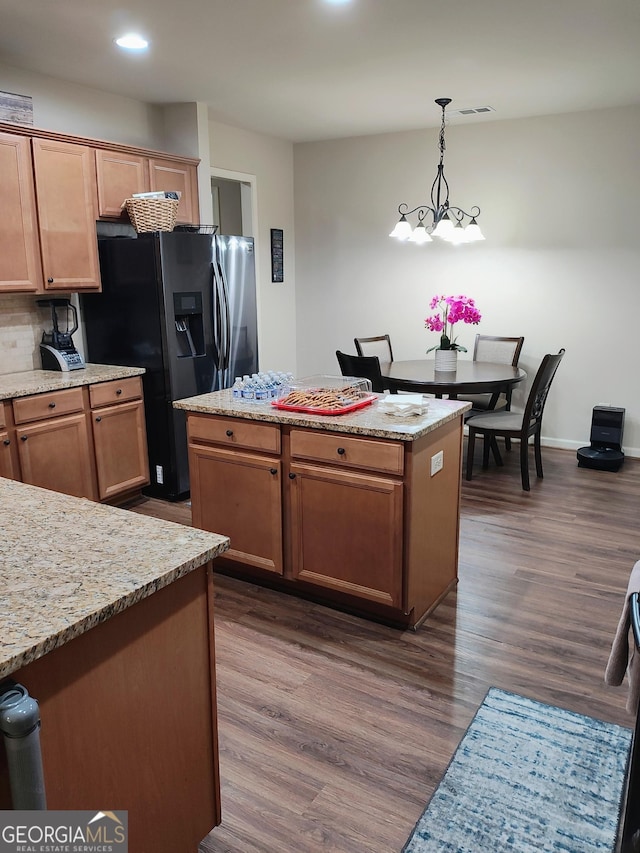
{"points": [[57, 350]]}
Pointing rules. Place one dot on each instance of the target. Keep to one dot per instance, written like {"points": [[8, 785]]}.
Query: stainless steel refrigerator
{"points": [[183, 306]]}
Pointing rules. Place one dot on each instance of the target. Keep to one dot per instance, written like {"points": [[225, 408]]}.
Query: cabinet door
{"points": [[20, 268], [56, 454], [239, 495], [182, 177], [120, 442], [362, 554], [119, 175], [65, 186], [7, 465]]}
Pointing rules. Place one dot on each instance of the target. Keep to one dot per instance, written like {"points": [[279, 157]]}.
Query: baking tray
{"points": [[343, 410]]}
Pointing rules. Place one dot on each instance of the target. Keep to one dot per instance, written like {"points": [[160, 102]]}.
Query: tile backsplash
{"points": [[21, 325]]}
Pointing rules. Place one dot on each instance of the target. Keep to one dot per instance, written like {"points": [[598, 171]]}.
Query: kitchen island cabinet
{"points": [[350, 510], [108, 623]]}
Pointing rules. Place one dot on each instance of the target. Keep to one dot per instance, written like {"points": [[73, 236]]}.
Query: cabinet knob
{"points": [[7, 441], [119, 391], [23, 437], [52, 405], [341, 451], [50, 281], [229, 432], [271, 470], [292, 476], [98, 419]]}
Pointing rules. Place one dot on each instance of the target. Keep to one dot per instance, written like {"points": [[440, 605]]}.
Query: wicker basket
{"points": [[152, 214]]}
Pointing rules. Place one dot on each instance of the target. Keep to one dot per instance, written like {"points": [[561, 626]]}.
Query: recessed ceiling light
{"points": [[337, 2], [132, 41]]}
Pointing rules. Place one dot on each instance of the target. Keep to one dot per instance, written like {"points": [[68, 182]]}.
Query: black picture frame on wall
{"points": [[277, 255]]}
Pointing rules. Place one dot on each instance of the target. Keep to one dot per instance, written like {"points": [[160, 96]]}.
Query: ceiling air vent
{"points": [[470, 111]]}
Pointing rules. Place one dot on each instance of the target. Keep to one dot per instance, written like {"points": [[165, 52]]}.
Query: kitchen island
{"points": [[107, 621], [359, 511]]}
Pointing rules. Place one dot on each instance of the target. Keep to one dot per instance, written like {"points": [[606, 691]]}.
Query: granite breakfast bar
{"points": [[357, 510], [107, 621]]}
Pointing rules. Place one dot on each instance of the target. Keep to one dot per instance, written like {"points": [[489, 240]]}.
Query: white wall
{"points": [[69, 108], [271, 161], [560, 265]]}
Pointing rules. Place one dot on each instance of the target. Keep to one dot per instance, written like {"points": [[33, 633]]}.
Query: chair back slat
{"points": [[498, 349], [379, 345]]}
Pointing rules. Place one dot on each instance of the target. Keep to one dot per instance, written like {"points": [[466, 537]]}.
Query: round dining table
{"points": [[470, 377]]}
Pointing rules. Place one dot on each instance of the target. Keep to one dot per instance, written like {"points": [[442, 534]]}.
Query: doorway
{"points": [[232, 206]]}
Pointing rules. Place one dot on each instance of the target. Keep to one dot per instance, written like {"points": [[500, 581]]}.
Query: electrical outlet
{"points": [[159, 475], [437, 462]]}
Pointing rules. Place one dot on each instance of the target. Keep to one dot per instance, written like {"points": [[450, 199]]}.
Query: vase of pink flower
{"points": [[449, 311]]}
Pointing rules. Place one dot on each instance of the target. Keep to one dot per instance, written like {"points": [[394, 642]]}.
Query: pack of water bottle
{"points": [[261, 387]]}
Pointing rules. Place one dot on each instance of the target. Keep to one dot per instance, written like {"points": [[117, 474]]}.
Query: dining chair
{"points": [[520, 425], [500, 351], [366, 367], [379, 345]]}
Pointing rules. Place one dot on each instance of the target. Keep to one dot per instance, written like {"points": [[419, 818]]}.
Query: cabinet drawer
{"points": [[116, 391], [49, 405], [233, 432], [345, 450]]}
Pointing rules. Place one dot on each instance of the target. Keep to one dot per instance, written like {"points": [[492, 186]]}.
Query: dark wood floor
{"points": [[334, 731]]}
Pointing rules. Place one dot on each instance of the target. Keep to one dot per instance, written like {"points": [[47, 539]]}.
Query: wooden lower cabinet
{"points": [[87, 441], [8, 467], [346, 532], [55, 454], [240, 493], [361, 521], [120, 443]]}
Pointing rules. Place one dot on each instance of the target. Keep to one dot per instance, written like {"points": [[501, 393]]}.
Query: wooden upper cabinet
{"points": [[20, 268], [119, 176], [182, 177], [66, 193]]}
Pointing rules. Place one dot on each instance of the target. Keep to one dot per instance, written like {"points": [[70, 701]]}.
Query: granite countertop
{"points": [[41, 381], [67, 564], [367, 421]]}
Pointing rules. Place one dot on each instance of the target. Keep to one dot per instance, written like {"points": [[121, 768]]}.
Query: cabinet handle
{"points": [[271, 470], [229, 432], [7, 441], [98, 419], [292, 476], [24, 437], [341, 451], [50, 281], [119, 391], [52, 405]]}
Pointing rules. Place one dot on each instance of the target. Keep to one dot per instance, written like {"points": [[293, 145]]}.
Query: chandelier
{"points": [[448, 222]]}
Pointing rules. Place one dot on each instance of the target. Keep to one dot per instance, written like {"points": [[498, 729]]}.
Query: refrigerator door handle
{"points": [[217, 318], [227, 319]]}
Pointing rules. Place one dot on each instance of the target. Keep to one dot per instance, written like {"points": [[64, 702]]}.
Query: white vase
{"points": [[446, 360]]}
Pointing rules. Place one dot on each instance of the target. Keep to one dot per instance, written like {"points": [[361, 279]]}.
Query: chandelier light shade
{"points": [[439, 219]]}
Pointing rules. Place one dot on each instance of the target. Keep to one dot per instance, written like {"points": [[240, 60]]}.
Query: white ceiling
{"points": [[309, 70]]}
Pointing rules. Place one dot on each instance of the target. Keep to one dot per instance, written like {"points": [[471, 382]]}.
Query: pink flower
{"points": [[453, 309]]}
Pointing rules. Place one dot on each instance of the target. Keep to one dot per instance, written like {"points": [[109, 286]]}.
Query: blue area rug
{"points": [[528, 778]]}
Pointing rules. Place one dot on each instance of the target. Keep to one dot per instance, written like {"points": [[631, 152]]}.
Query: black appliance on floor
{"points": [[605, 451], [183, 306]]}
